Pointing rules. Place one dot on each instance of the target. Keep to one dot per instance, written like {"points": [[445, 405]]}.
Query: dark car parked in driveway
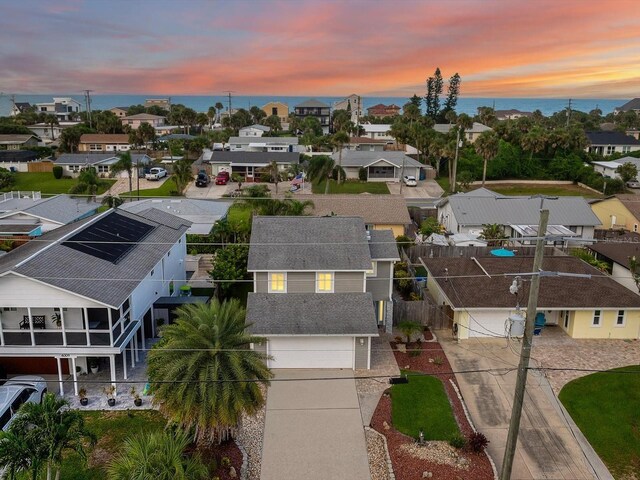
{"points": [[202, 180]]}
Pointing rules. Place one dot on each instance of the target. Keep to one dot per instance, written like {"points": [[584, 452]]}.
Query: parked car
{"points": [[222, 178], [15, 392], [156, 173], [633, 183], [202, 180], [409, 180]]}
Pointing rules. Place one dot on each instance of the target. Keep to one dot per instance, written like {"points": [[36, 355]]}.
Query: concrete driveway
{"points": [[212, 191], [547, 447], [424, 189], [313, 428]]}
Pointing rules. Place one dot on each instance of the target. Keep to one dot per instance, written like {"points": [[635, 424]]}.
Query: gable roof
{"points": [[308, 243], [618, 250], [60, 208], [356, 158], [254, 158], [15, 138], [142, 116], [466, 285], [104, 138], [487, 207], [373, 209], [633, 104], [610, 138], [312, 103], [87, 158], [257, 126], [53, 263], [382, 245], [267, 140], [631, 202]]}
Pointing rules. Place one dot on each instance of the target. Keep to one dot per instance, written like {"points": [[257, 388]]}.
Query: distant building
{"points": [[315, 108], [608, 143], [378, 131], [74, 163], [18, 160], [65, 108], [20, 107], [353, 104], [119, 111], [254, 131], [279, 109], [17, 141], [512, 114], [263, 144], [366, 144], [104, 142], [134, 121], [471, 134], [164, 103], [48, 132], [382, 111], [631, 105]]}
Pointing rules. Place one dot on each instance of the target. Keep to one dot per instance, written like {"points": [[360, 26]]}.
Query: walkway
{"points": [[313, 428]]}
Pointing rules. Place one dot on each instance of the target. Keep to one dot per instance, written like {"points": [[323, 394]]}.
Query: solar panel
{"points": [[110, 238]]}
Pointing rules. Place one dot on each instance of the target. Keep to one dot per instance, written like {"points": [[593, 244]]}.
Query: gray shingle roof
{"points": [[477, 209], [311, 314], [312, 103], [355, 158], [94, 158], [15, 138], [61, 208], [261, 158], [374, 209], [257, 126], [90, 276], [383, 245], [633, 104], [611, 138], [308, 243], [267, 140]]}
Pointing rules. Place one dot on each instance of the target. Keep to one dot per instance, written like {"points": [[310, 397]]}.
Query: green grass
{"points": [[48, 185], [551, 190], [444, 184], [352, 187], [605, 406], [239, 213], [163, 190], [422, 403]]}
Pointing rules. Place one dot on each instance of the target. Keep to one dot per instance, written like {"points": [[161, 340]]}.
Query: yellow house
{"points": [[618, 212], [477, 292], [281, 110]]}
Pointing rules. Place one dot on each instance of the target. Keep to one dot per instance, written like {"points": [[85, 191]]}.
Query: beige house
{"points": [[104, 142], [119, 111], [281, 110], [134, 121], [618, 212]]}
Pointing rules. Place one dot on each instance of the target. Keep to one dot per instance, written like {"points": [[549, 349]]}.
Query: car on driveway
{"points": [[202, 180], [156, 173], [409, 181], [222, 178], [15, 392], [633, 183]]}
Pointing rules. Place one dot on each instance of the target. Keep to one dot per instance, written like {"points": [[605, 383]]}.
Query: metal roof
{"points": [[355, 158], [60, 209]]}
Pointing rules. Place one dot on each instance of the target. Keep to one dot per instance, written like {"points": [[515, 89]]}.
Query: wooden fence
{"points": [[423, 312], [430, 251], [40, 167]]}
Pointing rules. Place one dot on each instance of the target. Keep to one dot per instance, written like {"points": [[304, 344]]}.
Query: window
{"points": [[103, 169], [620, 318], [277, 282], [626, 149], [610, 149], [10, 309], [635, 227], [596, 318], [324, 282], [373, 271], [566, 319]]}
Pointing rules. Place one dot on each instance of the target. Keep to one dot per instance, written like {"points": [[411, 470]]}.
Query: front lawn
{"points": [[551, 190], [605, 406], [47, 184], [164, 190], [351, 187], [422, 403], [239, 213]]}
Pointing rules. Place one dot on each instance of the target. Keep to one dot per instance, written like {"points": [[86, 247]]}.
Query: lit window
{"points": [[620, 318], [325, 282], [372, 271], [596, 318], [277, 282]]}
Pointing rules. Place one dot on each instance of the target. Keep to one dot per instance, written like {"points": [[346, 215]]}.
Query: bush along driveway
{"points": [[428, 402]]}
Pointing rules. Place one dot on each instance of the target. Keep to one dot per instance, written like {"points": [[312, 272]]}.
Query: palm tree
{"points": [[203, 374], [274, 172], [219, 106], [51, 120], [16, 453], [493, 234], [338, 140], [124, 164], [112, 201], [88, 182], [182, 175], [487, 147], [211, 115], [57, 428], [156, 455], [321, 168], [298, 207]]}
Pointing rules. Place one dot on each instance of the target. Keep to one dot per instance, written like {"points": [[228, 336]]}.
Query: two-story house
{"points": [[64, 108], [471, 134], [279, 109], [104, 142], [322, 286], [353, 105], [134, 121], [263, 144], [317, 109], [618, 212], [88, 290]]}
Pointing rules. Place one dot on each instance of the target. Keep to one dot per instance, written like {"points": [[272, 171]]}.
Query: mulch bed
{"points": [[217, 452], [405, 466]]}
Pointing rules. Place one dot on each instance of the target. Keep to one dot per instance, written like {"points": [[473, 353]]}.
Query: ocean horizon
{"points": [[201, 103]]}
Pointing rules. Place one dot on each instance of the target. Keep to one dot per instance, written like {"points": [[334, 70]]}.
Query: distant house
{"points": [[254, 131], [519, 216], [381, 111], [64, 108], [119, 111], [511, 114], [317, 109], [471, 134], [20, 107], [378, 131], [475, 293], [366, 144], [618, 212], [379, 212], [353, 104], [18, 160], [279, 109], [134, 121], [608, 143], [249, 164], [41, 215], [74, 163], [455, 240], [164, 103], [17, 141], [47, 132], [380, 166], [104, 142], [606, 169], [631, 105], [616, 254], [263, 144]]}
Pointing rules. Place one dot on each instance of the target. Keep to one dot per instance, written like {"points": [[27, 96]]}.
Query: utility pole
{"points": [[13, 104], [525, 353], [402, 174], [87, 103], [568, 112], [229, 92], [454, 167]]}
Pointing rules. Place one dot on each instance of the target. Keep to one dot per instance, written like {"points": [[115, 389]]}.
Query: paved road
{"points": [[313, 429], [547, 449]]}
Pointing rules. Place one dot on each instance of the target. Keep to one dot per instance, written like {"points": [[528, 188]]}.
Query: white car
{"points": [[156, 173], [15, 392], [409, 180]]}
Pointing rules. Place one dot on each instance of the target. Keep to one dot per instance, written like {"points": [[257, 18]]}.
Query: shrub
{"points": [[403, 242], [7, 178], [57, 172], [362, 174], [403, 282], [457, 441], [225, 462], [477, 442], [409, 328], [414, 297], [438, 361]]}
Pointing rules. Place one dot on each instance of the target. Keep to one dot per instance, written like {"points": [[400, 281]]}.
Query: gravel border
{"points": [[380, 465], [249, 439]]}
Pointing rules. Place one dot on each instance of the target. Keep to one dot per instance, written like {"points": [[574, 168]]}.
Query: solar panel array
{"points": [[110, 238]]}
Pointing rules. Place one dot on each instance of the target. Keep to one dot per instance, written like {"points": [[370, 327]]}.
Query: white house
{"points": [[74, 163], [254, 131], [470, 134], [610, 142], [64, 108], [378, 131], [606, 169], [385, 166], [263, 144], [88, 291], [48, 132]]}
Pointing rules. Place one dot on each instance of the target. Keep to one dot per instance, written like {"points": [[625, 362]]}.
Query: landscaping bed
{"points": [[410, 460]]}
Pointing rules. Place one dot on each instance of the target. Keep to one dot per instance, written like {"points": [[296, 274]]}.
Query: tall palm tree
{"points": [[320, 168], [274, 172], [211, 115], [219, 106], [124, 164], [16, 453], [487, 147], [51, 120], [158, 456], [202, 372], [493, 234], [182, 175], [338, 140], [57, 427]]}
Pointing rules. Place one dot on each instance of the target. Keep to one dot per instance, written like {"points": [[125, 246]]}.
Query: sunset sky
{"points": [[501, 48]]}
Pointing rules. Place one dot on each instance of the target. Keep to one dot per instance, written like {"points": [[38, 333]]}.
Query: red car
{"points": [[222, 178]]}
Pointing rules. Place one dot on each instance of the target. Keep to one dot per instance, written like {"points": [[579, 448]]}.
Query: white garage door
{"points": [[311, 352], [486, 324]]}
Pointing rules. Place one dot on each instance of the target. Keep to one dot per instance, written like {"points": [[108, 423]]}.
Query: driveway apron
{"points": [[313, 428]]}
